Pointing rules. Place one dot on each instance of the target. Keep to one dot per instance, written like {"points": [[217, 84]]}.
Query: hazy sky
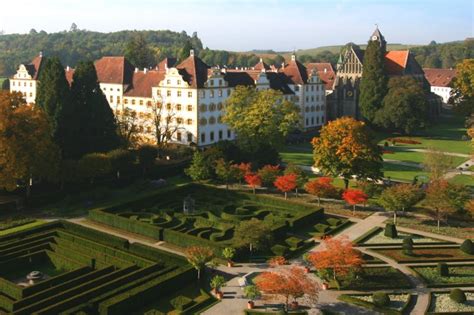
{"points": [[246, 24]]}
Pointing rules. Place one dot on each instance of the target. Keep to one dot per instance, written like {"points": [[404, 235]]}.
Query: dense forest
{"points": [[75, 45]]}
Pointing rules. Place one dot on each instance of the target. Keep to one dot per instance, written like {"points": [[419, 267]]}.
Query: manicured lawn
{"points": [[426, 254], [377, 278], [457, 275], [401, 172], [461, 230], [401, 154], [380, 238], [467, 180], [22, 227], [397, 301], [441, 302], [299, 158]]}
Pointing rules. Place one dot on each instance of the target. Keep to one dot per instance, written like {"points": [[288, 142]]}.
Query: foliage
{"points": [[462, 94], [346, 147], [407, 246], [217, 282], [198, 256], [322, 187], [437, 163], [288, 283], [338, 255], [269, 174], [228, 253], [242, 170], [128, 128], [405, 107], [301, 176], [94, 165], [468, 247], [380, 299], [253, 180], [445, 55], [354, 197], [373, 85], [457, 295], [260, 116], [27, 149], [252, 292], [199, 168], [370, 188], [146, 156], [120, 159], [390, 230], [138, 52], [400, 197], [277, 261], [225, 171], [286, 183], [181, 302], [94, 119], [252, 233], [443, 269]]}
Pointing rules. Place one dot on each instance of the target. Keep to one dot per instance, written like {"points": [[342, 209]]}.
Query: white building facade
{"points": [[440, 81]]}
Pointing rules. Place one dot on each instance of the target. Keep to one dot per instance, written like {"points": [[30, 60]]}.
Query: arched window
{"points": [[219, 106], [212, 107], [203, 122], [212, 121], [203, 107]]}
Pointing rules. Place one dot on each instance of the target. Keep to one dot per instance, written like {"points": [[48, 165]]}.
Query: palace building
{"points": [[440, 81], [191, 95]]}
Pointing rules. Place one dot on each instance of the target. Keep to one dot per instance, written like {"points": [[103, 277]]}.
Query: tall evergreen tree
{"points": [[95, 121], [373, 86], [54, 98], [184, 52], [138, 52]]}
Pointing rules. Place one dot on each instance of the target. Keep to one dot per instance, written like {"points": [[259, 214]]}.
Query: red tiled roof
{"points": [[142, 83], [439, 77], [396, 61], [325, 72], [115, 70], [261, 65], [166, 63], [34, 67], [194, 71], [295, 72]]}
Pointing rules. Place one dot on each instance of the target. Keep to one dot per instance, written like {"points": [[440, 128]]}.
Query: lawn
{"points": [[457, 275], [443, 254], [401, 172], [380, 238], [402, 154], [467, 180], [462, 230], [397, 303], [377, 278], [441, 302]]}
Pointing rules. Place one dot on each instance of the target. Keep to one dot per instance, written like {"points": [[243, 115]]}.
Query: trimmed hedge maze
{"points": [[89, 272], [217, 213]]}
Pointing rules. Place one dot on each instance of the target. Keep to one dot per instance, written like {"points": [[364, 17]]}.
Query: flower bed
{"points": [[403, 140], [458, 275], [442, 303], [436, 254]]}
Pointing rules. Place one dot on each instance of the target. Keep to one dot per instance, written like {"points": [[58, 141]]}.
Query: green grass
{"points": [[401, 172], [46, 267], [401, 154], [22, 227], [457, 275], [461, 230], [467, 180], [377, 278]]}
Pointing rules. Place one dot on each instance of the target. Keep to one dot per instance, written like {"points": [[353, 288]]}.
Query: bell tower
{"points": [[377, 36]]}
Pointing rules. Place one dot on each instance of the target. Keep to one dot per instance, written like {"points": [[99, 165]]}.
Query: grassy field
{"points": [[467, 180]]}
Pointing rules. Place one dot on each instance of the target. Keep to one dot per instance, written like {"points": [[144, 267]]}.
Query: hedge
{"points": [[181, 302], [186, 240], [371, 306], [10, 289], [94, 235], [156, 255]]}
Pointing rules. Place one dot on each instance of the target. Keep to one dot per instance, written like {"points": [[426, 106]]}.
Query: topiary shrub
{"points": [[468, 247], [408, 246], [279, 250], [380, 299], [443, 269], [390, 230], [181, 302], [457, 295]]}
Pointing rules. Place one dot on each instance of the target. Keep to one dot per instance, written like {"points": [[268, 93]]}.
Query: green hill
{"points": [[337, 48]]}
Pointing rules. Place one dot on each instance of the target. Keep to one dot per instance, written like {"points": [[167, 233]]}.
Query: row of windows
{"points": [[312, 98], [178, 93], [211, 107], [202, 93], [210, 82], [212, 138], [308, 88], [19, 83], [212, 120], [313, 108], [312, 121]]}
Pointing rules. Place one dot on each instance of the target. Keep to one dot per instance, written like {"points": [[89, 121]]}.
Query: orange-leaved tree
{"points": [[242, 170], [338, 255], [285, 183], [354, 197], [322, 188], [198, 256], [253, 180], [268, 173], [288, 283]]}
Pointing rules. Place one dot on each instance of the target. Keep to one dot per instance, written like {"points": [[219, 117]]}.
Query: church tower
{"points": [[377, 35]]}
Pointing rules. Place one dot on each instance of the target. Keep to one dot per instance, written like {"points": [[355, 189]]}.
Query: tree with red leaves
{"points": [[322, 188], [198, 256], [242, 169], [354, 197], [285, 183], [338, 255], [288, 283], [253, 180], [268, 174]]}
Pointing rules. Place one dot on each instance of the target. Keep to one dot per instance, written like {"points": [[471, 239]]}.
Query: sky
{"points": [[242, 25]]}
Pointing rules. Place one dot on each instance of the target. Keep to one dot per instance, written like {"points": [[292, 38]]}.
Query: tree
{"points": [[225, 171], [185, 51], [346, 147], [252, 233], [93, 165], [462, 94], [165, 125], [128, 127], [301, 176], [27, 149], [5, 84], [260, 117], [439, 200], [437, 163], [198, 256], [199, 168], [242, 170], [322, 188], [120, 159], [73, 28], [228, 253], [338, 255], [95, 121], [138, 52], [373, 84], [399, 197], [405, 107], [54, 98], [147, 156], [268, 174], [217, 282], [354, 197], [288, 283], [286, 183], [253, 180]]}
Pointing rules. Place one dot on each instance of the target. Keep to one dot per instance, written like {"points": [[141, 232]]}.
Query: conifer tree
{"points": [[95, 121], [185, 50], [373, 86], [138, 52], [54, 98]]}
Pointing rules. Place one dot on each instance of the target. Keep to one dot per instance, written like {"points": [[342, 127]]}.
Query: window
{"points": [[312, 108], [211, 93], [118, 99], [168, 93], [168, 81], [211, 136], [179, 120], [212, 107], [190, 94], [133, 102], [220, 82], [312, 120], [307, 122], [229, 134], [219, 93], [190, 137], [219, 119], [31, 84], [307, 99], [189, 121], [158, 92], [31, 94], [111, 89], [24, 83], [203, 108], [306, 109], [202, 93], [111, 99], [13, 83], [220, 134], [118, 90], [178, 107], [178, 136], [203, 137], [211, 82], [212, 121], [219, 106], [148, 104], [312, 87], [203, 121], [179, 93], [179, 82], [141, 102], [125, 101], [312, 98], [168, 106], [297, 88]]}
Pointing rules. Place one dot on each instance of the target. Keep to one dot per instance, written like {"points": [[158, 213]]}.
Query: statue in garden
{"points": [[188, 205]]}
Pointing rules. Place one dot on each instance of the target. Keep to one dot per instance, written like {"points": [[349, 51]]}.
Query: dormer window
{"points": [[297, 88]]}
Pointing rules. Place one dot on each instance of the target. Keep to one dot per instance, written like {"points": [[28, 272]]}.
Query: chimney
{"points": [[293, 57], [67, 68], [41, 54], [283, 65], [145, 70], [191, 53], [325, 70], [261, 59], [136, 70]]}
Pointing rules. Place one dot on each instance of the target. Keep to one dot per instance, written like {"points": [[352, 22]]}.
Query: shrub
{"points": [[390, 230], [252, 292], [279, 250], [228, 253], [443, 269], [294, 241], [408, 246], [457, 295], [333, 221], [380, 299], [181, 302], [217, 282], [467, 247], [322, 228]]}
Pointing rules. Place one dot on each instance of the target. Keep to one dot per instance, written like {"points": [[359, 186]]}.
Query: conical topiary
{"points": [[390, 230], [457, 295], [467, 247]]}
